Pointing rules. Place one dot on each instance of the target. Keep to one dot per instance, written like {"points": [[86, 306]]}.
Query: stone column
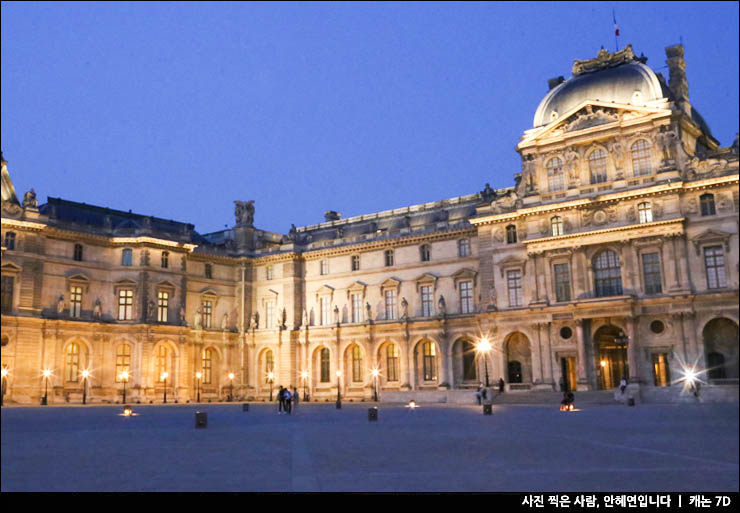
{"points": [[633, 355], [550, 378], [536, 352], [581, 364]]}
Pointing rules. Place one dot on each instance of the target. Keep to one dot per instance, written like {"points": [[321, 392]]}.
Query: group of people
{"points": [[287, 400], [482, 393]]}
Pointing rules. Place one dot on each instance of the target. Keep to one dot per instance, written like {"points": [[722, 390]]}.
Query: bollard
{"points": [[372, 413], [339, 405], [201, 420], [245, 407], [487, 409], [630, 401]]}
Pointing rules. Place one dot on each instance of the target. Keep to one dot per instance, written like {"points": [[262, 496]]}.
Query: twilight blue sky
{"points": [[177, 109]]}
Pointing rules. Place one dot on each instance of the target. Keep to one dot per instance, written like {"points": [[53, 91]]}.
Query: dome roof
{"points": [[614, 84]]}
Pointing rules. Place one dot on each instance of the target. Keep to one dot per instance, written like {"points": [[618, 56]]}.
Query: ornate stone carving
{"points": [[244, 212], [405, 308], [616, 149], [98, 310], [544, 227], [591, 116], [708, 165], [60, 305], [572, 162], [29, 199], [692, 206], [657, 209], [498, 235], [442, 305], [631, 214], [666, 140], [488, 194], [603, 60], [225, 321]]}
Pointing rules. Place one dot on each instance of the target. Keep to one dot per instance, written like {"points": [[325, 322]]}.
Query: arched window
{"points": [[555, 180], [325, 365], [391, 355], [78, 253], [72, 367], [511, 234], [207, 366], [356, 364], [426, 253], [607, 274], [9, 240], [707, 204], [165, 259], [269, 361], [557, 226], [468, 358], [123, 361], [597, 166], [161, 362], [430, 361], [645, 212], [640, 158]]}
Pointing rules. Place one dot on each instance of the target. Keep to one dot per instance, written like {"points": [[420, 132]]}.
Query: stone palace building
{"points": [[614, 255]]}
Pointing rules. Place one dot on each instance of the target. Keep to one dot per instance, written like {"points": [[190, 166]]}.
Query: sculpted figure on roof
{"points": [[244, 212]]}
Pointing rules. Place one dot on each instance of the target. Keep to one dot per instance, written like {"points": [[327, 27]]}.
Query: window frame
{"points": [[127, 257], [597, 166]]}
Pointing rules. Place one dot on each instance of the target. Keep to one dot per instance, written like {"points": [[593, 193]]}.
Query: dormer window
{"points": [[426, 253], [557, 226], [511, 234], [645, 212]]}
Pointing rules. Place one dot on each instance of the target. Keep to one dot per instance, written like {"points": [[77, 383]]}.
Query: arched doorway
{"points": [[721, 347], [464, 363], [518, 358], [610, 344]]}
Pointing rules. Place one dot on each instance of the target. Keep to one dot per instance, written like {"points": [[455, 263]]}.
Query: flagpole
{"points": [[616, 30]]}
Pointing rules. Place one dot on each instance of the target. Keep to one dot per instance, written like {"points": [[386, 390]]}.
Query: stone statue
{"points": [[60, 305], [293, 233], [182, 315], [284, 319], [336, 314], [617, 152], [488, 194], [442, 306], [198, 320], [405, 307], [256, 320], [571, 166], [225, 322], [98, 310], [305, 317], [665, 140], [29, 199], [369, 311], [151, 312], [244, 212], [735, 145]]}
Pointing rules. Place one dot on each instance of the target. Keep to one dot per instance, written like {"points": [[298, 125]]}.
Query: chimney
{"points": [[554, 82], [677, 82]]}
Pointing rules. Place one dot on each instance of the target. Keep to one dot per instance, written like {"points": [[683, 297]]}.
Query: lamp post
{"points": [[197, 384], [339, 388], [270, 377], [4, 373], [231, 386], [621, 341], [45, 399], [85, 374], [124, 378], [164, 379], [375, 374], [484, 347], [304, 377]]}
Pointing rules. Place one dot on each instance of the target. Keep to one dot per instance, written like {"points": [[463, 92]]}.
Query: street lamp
{"points": [[4, 373], [270, 377], [375, 373], [124, 378], [231, 389], [197, 378], [621, 341], [45, 399], [85, 374], [339, 388], [304, 377], [483, 347], [164, 379]]}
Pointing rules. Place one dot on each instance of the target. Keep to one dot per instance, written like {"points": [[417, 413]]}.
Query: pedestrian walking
{"points": [[295, 397], [501, 385], [287, 399], [478, 395], [281, 400], [623, 385]]}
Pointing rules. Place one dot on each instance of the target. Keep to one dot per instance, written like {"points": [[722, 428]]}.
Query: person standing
{"points": [[295, 397], [287, 398], [281, 400], [501, 385]]}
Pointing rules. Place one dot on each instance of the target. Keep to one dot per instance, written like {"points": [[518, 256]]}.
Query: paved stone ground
{"points": [[434, 448]]}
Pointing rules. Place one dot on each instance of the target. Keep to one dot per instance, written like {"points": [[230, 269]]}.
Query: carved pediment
{"points": [[391, 283], [126, 282], [11, 267], [325, 290], [426, 279], [166, 284], [464, 275], [711, 236], [512, 262], [603, 60], [208, 291], [357, 287]]}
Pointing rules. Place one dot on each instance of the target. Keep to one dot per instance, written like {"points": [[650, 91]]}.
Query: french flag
{"points": [[616, 27]]}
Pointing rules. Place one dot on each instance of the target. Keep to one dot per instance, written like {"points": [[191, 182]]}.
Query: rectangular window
{"points": [[78, 253], [390, 304], [392, 363], [207, 309], [268, 272], [75, 301], [325, 267], [651, 273], [389, 258], [127, 257], [427, 300], [325, 365], [356, 308], [714, 260], [8, 283], [207, 365], [324, 311], [165, 259], [356, 364], [163, 299], [269, 314], [125, 304], [123, 361], [464, 247], [514, 280], [466, 297], [661, 370], [209, 271], [562, 282], [355, 262]]}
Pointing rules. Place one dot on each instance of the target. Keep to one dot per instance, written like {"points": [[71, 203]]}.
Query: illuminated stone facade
{"points": [[614, 255]]}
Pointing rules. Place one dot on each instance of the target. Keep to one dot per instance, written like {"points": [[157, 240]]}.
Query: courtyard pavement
{"points": [[435, 448]]}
